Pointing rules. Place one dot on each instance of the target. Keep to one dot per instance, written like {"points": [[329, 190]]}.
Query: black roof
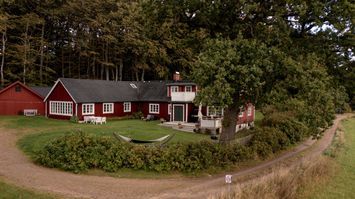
{"points": [[42, 91], [87, 90], [181, 82], [153, 91]]}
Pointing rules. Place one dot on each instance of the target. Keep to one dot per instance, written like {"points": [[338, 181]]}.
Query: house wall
{"points": [[163, 109], [118, 110], [59, 94], [13, 103], [245, 118], [181, 89]]}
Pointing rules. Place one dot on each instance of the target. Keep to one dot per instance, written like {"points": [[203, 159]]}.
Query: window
{"points": [[174, 89], [249, 110], [107, 107], [17, 88], [88, 109], [188, 88], [241, 111], [153, 108], [61, 108], [169, 109], [127, 107], [215, 111]]}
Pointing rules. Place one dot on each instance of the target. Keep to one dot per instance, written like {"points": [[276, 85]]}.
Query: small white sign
{"points": [[228, 179]]}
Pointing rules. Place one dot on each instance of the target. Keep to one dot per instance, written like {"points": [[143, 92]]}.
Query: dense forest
{"points": [[42, 40]]}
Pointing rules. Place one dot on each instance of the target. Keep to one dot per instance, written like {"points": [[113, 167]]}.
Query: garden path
{"points": [[16, 168]]}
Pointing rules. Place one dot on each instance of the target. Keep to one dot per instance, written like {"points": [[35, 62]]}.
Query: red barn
{"points": [[17, 97]]}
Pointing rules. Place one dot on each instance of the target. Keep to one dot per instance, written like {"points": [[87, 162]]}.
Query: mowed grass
{"points": [[38, 131], [342, 184], [8, 191]]}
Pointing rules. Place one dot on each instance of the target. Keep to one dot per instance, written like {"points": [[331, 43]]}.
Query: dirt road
{"points": [[16, 168]]}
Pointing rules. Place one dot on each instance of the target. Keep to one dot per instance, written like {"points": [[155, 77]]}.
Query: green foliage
{"points": [[137, 115], [268, 140], [284, 121], [80, 152], [74, 119]]}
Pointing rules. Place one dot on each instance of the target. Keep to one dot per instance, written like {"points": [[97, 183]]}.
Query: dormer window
{"points": [[188, 88], [174, 89]]}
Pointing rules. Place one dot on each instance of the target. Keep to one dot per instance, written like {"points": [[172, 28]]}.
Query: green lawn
{"points": [[37, 131], [8, 191], [343, 183]]}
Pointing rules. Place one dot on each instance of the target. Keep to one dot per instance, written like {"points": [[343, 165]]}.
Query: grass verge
{"points": [[342, 183], [8, 191]]}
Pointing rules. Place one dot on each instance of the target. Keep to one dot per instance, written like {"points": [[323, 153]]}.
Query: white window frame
{"points": [[169, 109], [154, 108], [214, 114], [249, 110], [174, 89], [106, 108], [64, 108], [190, 90], [88, 113], [127, 107]]}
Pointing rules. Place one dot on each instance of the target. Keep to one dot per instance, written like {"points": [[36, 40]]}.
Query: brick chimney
{"points": [[176, 76]]}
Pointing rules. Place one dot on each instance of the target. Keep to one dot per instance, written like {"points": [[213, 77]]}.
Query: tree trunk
{"points": [[3, 58], [63, 62], [137, 76], [143, 71], [94, 66], [25, 54], [41, 59], [121, 69], [229, 123], [107, 69], [116, 73]]}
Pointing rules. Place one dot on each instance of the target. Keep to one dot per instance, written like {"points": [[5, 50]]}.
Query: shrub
{"points": [[268, 140], [284, 121], [137, 115], [80, 152]]}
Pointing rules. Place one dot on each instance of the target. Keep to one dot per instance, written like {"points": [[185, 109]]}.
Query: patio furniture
{"points": [[88, 119], [99, 120], [30, 112]]}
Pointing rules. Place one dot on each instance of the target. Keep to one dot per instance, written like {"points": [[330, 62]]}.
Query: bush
{"points": [[80, 152], [137, 115], [295, 130], [268, 140]]}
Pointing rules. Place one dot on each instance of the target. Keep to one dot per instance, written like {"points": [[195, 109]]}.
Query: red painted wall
{"points": [[163, 109], [118, 110], [13, 103], [59, 94], [245, 118]]}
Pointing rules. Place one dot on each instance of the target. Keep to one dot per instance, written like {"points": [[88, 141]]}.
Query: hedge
{"points": [[80, 152]]}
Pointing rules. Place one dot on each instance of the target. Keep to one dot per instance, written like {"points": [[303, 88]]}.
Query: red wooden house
{"points": [[17, 97], [172, 101]]}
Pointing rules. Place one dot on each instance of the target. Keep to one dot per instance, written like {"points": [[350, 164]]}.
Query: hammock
{"points": [[161, 140]]}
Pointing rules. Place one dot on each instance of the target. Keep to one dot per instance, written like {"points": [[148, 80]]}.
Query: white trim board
{"points": [[183, 109], [56, 83]]}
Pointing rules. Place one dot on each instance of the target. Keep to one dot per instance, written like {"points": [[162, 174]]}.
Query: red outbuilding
{"points": [[17, 97]]}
